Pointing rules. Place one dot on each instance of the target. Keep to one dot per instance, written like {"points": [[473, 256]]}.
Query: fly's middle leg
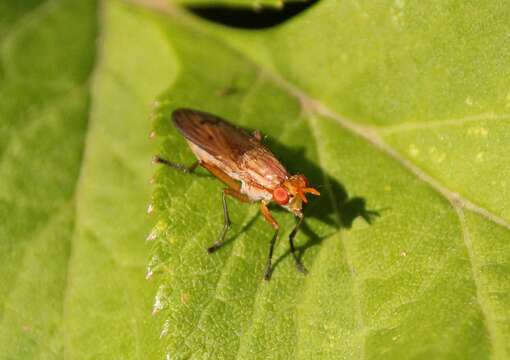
{"points": [[185, 169], [226, 225], [269, 266], [271, 220]]}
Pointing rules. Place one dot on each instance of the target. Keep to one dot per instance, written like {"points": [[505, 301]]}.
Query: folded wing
{"points": [[238, 151]]}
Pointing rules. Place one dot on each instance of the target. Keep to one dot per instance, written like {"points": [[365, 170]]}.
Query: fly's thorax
{"points": [[259, 166]]}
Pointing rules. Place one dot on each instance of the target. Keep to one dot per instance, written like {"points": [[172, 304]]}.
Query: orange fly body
{"points": [[251, 172]]}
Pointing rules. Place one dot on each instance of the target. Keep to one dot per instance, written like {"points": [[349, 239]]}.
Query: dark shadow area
{"points": [[334, 207], [246, 18]]}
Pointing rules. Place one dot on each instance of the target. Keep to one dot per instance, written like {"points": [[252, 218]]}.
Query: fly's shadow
{"points": [[334, 207]]}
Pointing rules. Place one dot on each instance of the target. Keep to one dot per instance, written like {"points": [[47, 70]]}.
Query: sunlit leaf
{"points": [[74, 182], [390, 107]]}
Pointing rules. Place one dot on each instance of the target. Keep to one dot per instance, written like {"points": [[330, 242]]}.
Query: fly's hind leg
{"points": [[227, 222], [185, 169], [271, 220], [299, 265]]}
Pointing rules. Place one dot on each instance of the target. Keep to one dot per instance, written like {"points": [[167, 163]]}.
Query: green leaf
{"points": [[74, 179], [43, 110], [393, 107]]}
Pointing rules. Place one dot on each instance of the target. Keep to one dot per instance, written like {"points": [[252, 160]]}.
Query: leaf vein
{"points": [[487, 315], [392, 129]]}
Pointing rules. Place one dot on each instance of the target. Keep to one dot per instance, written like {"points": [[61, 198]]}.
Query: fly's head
{"points": [[291, 194]]}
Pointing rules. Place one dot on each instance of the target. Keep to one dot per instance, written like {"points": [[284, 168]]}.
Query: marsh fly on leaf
{"points": [[251, 171]]}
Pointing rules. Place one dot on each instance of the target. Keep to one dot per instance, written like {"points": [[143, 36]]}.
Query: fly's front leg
{"points": [[227, 222], [271, 220], [299, 266], [185, 169]]}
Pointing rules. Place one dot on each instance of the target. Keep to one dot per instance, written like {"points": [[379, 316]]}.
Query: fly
{"points": [[251, 172]]}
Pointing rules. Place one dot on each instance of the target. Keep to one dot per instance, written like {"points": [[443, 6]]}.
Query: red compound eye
{"points": [[281, 196]]}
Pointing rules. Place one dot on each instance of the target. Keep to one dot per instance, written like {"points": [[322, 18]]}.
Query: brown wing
{"points": [[234, 146], [213, 134]]}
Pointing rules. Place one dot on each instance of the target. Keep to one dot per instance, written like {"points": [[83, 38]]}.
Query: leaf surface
{"points": [[393, 107], [74, 179]]}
